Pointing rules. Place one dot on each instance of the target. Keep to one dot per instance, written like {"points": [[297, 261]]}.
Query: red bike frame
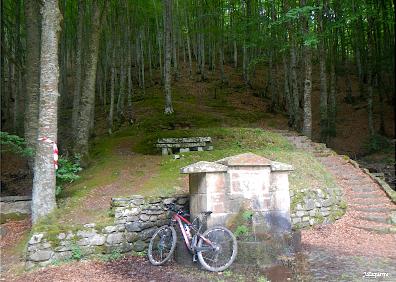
{"points": [[180, 219]]}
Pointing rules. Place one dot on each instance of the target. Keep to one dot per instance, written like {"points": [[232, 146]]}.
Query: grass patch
{"points": [[308, 172], [15, 216]]}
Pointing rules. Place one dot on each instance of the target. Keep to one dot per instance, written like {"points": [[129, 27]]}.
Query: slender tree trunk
{"points": [[167, 60], [88, 88], [150, 60], [121, 90], [307, 120], [332, 101], [286, 87], [174, 42], [189, 53], [112, 90], [235, 54], [323, 96], [202, 52], [78, 67], [142, 60], [294, 95], [130, 85], [272, 84], [32, 21], [44, 181], [370, 82], [221, 63], [159, 37], [348, 85]]}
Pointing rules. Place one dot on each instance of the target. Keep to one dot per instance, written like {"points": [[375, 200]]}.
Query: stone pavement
{"points": [[363, 242]]}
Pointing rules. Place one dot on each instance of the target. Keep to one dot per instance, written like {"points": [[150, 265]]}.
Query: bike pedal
{"points": [[194, 258]]}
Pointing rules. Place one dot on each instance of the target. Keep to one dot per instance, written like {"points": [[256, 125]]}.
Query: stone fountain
{"points": [[246, 182]]}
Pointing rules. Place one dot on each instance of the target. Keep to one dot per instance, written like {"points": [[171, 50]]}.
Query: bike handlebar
{"points": [[172, 207]]}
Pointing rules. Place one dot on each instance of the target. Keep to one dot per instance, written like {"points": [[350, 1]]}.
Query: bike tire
{"points": [[228, 248], [168, 242]]}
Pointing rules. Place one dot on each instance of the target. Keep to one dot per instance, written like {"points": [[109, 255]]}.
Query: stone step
{"points": [[359, 183], [372, 209], [363, 189], [366, 202], [378, 229], [367, 196], [376, 218]]}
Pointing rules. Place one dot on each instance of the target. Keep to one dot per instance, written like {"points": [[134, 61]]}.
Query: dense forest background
{"points": [[317, 61]]}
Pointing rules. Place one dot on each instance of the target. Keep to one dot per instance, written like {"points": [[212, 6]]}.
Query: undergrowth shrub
{"points": [[67, 172], [376, 143], [14, 144]]}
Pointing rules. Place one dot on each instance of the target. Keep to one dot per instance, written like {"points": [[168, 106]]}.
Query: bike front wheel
{"points": [[219, 250], [162, 245]]}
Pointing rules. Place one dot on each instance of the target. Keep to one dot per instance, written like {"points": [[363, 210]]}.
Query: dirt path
{"points": [[362, 240], [127, 269]]}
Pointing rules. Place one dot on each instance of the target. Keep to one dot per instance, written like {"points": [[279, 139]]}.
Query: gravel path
{"points": [[362, 242]]}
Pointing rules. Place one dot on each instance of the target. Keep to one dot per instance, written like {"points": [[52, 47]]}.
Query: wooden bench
{"points": [[182, 145]]}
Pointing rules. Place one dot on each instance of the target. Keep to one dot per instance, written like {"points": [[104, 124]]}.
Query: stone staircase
{"points": [[370, 207]]}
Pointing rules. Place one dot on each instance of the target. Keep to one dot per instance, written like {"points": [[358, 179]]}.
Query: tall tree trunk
{"points": [[78, 67], [235, 54], [167, 71], [121, 90], [332, 100], [112, 90], [88, 88], [272, 84], [286, 87], [370, 78], [221, 57], [142, 60], [44, 181], [130, 85], [189, 53], [32, 21], [323, 96], [307, 120], [159, 37], [174, 41], [202, 52], [294, 95]]}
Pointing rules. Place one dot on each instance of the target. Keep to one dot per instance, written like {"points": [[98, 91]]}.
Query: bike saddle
{"points": [[207, 213]]}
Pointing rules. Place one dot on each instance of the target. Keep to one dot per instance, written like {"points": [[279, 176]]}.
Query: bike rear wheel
{"points": [[221, 251], [162, 245]]}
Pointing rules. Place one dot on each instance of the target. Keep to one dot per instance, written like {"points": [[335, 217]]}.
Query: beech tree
{"points": [[108, 60], [44, 181], [167, 56]]}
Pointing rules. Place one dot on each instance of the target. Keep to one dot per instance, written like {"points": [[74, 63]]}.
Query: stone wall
{"points": [[14, 207], [310, 207], [136, 218], [135, 221]]}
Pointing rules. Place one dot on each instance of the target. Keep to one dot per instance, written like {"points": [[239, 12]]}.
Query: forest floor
{"points": [[126, 164]]}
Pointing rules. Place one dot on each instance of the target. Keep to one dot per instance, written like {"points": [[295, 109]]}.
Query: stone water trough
{"points": [[246, 183]]}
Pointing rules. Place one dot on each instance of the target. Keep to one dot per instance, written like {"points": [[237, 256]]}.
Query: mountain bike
{"points": [[216, 248]]}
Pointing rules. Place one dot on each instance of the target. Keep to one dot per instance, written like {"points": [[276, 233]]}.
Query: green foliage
{"points": [[376, 143], [247, 215], [14, 144], [241, 231], [68, 169], [77, 253], [67, 172], [262, 279], [311, 40], [114, 255]]}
